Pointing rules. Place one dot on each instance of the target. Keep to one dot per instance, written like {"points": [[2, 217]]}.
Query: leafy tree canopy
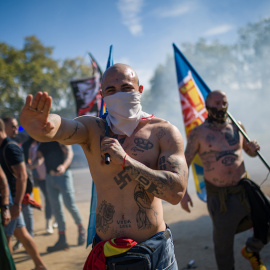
{"points": [[33, 69]]}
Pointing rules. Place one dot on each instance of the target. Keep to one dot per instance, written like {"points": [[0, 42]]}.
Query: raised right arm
{"points": [[36, 119]]}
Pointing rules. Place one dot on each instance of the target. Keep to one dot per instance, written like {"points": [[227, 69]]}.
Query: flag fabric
{"points": [[6, 260], [193, 92], [86, 92], [93, 205]]}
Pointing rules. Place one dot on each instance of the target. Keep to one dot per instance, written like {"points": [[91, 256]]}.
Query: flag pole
{"points": [[230, 116], [248, 139]]}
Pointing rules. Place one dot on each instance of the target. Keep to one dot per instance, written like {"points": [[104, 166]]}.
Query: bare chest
{"points": [[143, 147], [220, 139]]}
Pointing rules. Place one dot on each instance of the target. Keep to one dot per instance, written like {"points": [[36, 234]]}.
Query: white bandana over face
{"points": [[124, 112]]}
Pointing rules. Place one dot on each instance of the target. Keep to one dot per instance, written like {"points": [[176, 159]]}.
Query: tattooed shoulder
{"points": [[161, 132]]}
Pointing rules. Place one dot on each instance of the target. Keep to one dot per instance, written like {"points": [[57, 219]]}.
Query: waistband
{"points": [[167, 234], [223, 192]]}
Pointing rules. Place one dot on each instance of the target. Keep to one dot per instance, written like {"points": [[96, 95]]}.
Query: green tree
{"points": [[33, 69]]}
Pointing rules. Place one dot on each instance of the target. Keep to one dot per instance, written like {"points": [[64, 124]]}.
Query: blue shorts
{"points": [[13, 224]]}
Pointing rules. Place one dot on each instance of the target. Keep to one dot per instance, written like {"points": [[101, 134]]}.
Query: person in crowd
{"points": [[39, 175], [11, 128], [219, 144], [6, 260], [12, 162], [146, 165], [59, 183]]}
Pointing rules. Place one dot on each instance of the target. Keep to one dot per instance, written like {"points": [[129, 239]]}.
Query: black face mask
{"points": [[217, 115]]}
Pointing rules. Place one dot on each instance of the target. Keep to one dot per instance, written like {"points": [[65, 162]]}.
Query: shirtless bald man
{"points": [[219, 145], [147, 161]]}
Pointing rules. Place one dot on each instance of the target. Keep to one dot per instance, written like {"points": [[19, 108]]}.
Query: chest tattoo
{"points": [[210, 138], [232, 136], [141, 145], [228, 157]]}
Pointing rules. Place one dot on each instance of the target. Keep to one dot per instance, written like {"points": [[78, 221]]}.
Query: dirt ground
{"points": [[192, 238]]}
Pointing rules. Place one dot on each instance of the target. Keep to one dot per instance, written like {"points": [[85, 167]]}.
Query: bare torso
{"points": [[220, 150], [124, 207]]}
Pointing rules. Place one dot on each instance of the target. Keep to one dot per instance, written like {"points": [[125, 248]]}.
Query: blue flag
{"points": [[193, 92], [91, 225]]}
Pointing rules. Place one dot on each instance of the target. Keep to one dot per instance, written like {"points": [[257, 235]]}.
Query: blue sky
{"points": [[141, 31]]}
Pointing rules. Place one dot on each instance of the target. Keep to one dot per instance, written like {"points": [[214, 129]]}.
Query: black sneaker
{"points": [[81, 238], [60, 245]]}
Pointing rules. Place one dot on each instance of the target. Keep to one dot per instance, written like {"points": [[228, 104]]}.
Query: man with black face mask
{"points": [[219, 145]]}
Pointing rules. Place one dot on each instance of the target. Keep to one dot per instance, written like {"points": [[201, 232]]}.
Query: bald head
{"points": [[216, 94], [120, 69], [119, 77]]}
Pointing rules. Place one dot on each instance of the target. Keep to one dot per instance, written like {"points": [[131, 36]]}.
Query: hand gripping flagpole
{"points": [[247, 138]]}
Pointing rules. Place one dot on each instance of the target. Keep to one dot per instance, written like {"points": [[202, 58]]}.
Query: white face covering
{"points": [[124, 112]]}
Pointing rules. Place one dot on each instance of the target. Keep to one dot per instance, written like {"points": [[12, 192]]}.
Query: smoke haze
{"points": [[241, 70]]}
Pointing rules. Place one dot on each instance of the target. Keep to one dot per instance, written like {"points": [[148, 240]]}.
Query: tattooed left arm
{"points": [[169, 182]]}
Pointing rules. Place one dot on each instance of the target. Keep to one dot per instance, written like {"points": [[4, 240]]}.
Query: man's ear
{"points": [[100, 91], [141, 88]]}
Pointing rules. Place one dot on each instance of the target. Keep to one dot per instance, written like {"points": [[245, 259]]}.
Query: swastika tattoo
{"points": [[122, 179]]}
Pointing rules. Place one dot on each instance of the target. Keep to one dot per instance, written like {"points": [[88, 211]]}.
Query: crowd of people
{"points": [[148, 163], [23, 167]]}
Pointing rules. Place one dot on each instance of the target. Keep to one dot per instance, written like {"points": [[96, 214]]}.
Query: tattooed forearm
{"points": [[75, 131], [104, 217]]}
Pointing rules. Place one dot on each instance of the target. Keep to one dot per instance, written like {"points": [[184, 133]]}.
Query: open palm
{"points": [[34, 116]]}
